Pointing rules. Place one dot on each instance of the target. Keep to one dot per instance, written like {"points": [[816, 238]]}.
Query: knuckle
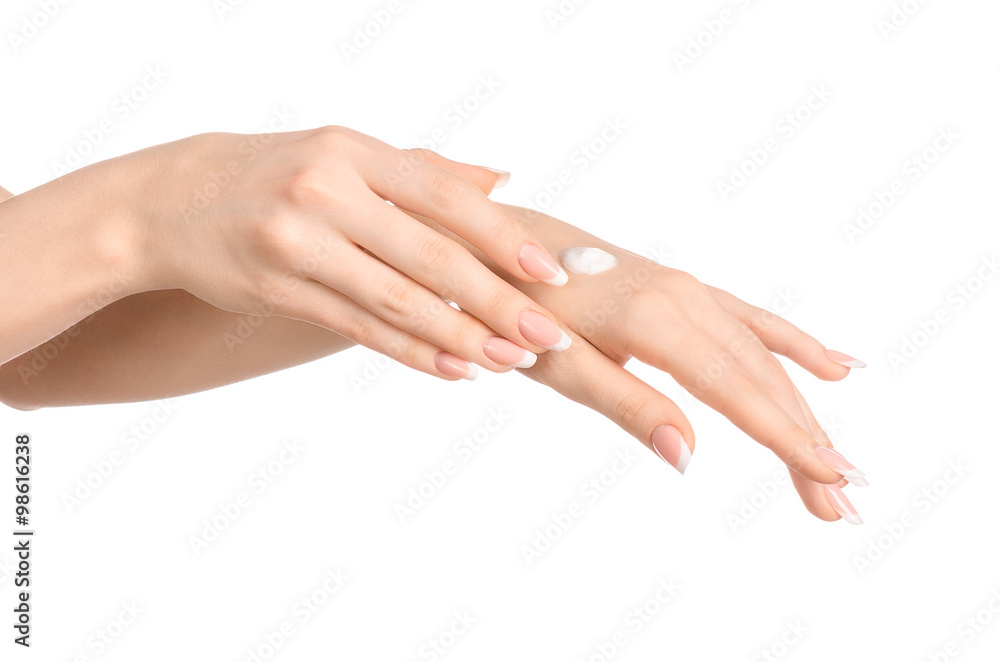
{"points": [[281, 237], [459, 332], [445, 190], [406, 350], [629, 410], [684, 282], [506, 233], [436, 255], [362, 329], [495, 303], [397, 297], [422, 153], [334, 135], [307, 187]]}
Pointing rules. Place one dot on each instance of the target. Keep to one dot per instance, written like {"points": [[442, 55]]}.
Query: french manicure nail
{"points": [[453, 366], [839, 502], [542, 331], [502, 176], [671, 447], [537, 263], [505, 352], [834, 460], [844, 359]]}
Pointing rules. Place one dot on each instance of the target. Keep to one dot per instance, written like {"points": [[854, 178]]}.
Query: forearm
{"points": [[64, 253], [156, 345], [167, 343]]}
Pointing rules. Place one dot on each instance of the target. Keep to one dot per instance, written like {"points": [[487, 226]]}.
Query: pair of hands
{"points": [[298, 225]]}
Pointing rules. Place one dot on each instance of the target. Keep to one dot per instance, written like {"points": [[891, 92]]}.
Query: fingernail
{"points": [[844, 359], [502, 176], [839, 463], [671, 447], [505, 352], [537, 263], [542, 331], [453, 366], [839, 502]]}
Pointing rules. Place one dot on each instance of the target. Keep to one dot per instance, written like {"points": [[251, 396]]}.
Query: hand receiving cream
{"points": [[586, 260]]}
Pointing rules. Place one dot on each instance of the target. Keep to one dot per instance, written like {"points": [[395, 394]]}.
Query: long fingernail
{"points": [[537, 263], [839, 463], [505, 352], [453, 366], [839, 502], [669, 444], [844, 359], [502, 176], [542, 331]]}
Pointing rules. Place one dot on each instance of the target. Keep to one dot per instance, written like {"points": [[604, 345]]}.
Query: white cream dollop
{"points": [[587, 260]]}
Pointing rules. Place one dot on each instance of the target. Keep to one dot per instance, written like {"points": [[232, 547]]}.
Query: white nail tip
{"points": [[857, 481], [528, 360], [853, 363], [502, 179], [850, 518], [473, 372], [562, 345], [558, 280], [682, 462], [685, 458]]}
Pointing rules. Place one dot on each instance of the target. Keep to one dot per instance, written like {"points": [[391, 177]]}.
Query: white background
{"points": [[740, 587]]}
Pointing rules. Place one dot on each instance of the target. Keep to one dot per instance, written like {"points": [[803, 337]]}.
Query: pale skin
{"points": [[163, 332]]}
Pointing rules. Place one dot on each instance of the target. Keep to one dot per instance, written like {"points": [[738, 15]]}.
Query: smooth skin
{"points": [[170, 342], [295, 224]]}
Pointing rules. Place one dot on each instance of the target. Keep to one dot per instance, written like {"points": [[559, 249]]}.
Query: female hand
{"points": [[297, 225], [716, 346]]}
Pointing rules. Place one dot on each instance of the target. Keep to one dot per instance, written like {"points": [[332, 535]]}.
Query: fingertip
{"points": [[502, 176], [844, 360], [538, 264], [672, 446]]}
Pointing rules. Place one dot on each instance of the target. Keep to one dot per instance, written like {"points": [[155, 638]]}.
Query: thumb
{"points": [[485, 179]]}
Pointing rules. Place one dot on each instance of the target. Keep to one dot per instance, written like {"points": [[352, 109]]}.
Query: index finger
{"points": [[417, 185]]}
